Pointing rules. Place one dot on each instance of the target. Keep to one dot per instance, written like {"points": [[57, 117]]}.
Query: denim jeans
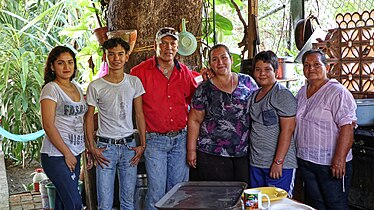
{"points": [[323, 191], [65, 181], [166, 165], [119, 156]]}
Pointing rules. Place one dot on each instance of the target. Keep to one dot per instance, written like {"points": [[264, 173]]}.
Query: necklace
{"points": [[231, 89], [229, 95], [165, 70]]}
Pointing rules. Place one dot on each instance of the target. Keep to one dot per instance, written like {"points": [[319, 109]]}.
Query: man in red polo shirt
{"points": [[169, 86]]}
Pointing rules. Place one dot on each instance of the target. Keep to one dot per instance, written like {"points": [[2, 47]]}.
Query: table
{"points": [[288, 204]]}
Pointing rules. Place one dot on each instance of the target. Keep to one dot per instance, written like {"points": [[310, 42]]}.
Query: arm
{"points": [[48, 110], [343, 109], [344, 144], [195, 118], [192, 87], [140, 124], [287, 126], [89, 126]]}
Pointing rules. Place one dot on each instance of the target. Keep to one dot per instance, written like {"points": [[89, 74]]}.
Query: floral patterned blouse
{"points": [[225, 128]]}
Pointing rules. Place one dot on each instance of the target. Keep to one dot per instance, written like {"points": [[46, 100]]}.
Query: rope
{"points": [[21, 138], [145, 48]]}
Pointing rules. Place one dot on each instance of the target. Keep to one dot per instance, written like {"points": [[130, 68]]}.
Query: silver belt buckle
{"points": [[117, 141], [173, 133]]}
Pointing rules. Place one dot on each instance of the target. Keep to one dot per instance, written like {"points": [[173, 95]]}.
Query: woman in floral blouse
{"points": [[218, 123]]}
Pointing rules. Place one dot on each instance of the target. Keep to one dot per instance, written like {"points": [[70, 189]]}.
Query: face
{"points": [[264, 74], [116, 58], [63, 66], [314, 69], [220, 61], [167, 48]]}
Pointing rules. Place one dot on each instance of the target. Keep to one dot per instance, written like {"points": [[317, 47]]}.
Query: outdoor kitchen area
{"points": [[216, 131], [350, 48]]}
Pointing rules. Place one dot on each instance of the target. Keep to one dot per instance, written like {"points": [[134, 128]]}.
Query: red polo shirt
{"points": [[165, 102]]}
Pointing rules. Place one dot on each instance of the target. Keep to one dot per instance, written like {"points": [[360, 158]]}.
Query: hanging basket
{"points": [[101, 34], [128, 35]]}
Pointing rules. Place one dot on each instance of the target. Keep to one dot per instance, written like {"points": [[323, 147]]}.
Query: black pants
{"points": [[323, 191], [218, 168]]}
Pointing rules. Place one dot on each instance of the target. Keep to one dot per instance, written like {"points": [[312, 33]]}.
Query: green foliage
{"points": [[223, 27], [28, 187], [28, 31], [21, 78], [237, 60]]}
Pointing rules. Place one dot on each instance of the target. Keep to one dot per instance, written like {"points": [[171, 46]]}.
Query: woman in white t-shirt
{"points": [[63, 108]]}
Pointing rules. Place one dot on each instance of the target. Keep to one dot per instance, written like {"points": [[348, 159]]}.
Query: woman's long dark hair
{"points": [[50, 75]]}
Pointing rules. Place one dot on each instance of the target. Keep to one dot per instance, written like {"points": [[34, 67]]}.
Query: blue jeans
{"points": [[165, 161], [119, 156], [66, 182], [323, 191]]}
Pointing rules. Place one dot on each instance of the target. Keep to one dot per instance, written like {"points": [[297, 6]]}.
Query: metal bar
{"points": [[270, 12], [214, 23]]}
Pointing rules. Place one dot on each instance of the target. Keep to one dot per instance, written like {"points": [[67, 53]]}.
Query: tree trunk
{"points": [[147, 16]]}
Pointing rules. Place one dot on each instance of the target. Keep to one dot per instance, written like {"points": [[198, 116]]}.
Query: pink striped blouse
{"points": [[318, 121]]}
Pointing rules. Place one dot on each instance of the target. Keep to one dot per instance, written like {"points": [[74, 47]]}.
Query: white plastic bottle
{"points": [[38, 176]]}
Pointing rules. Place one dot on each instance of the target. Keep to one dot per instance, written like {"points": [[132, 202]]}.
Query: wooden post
{"points": [[252, 27], [89, 184]]}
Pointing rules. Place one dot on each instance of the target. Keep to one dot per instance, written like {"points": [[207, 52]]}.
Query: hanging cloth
{"points": [[21, 138]]}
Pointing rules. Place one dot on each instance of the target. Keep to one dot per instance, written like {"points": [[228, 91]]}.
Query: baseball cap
{"points": [[166, 31]]}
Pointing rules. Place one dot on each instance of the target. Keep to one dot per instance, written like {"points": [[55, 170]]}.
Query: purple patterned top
{"points": [[225, 128]]}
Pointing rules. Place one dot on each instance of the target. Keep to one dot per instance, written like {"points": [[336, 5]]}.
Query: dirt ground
{"points": [[18, 176]]}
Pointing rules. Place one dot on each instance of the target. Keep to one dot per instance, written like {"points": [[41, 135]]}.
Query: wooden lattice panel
{"points": [[350, 51]]}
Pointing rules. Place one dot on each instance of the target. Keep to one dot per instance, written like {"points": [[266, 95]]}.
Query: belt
{"points": [[124, 140], [169, 134]]}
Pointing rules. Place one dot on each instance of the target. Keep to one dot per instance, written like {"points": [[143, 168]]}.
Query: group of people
{"points": [[231, 127]]}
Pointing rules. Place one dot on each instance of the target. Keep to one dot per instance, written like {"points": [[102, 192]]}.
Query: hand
{"points": [[71, 161], [139, 150], [97, 154], [276, 171], [191, 158], [338, 168], [206, 73]]}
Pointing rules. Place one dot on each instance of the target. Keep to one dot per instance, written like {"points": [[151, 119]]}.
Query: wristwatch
{"points": [[278, 161]]}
